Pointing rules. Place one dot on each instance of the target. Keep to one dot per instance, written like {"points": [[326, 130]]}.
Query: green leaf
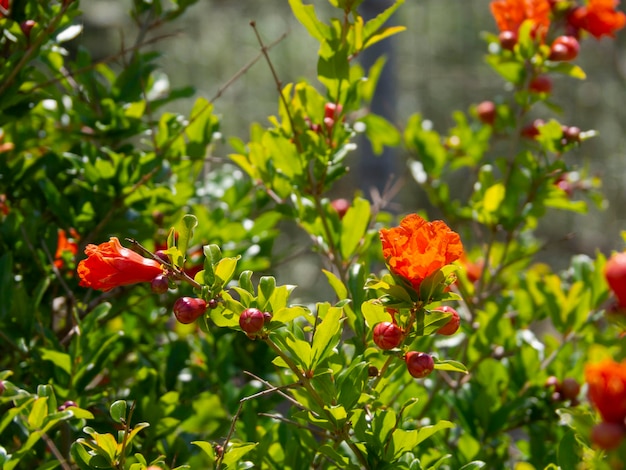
{"points": [[236, 451], [298, 350], [185, 233], [207, 447], [287, 314], [571, 70], [38, 413], [338, 286], [385, 33], [373, 26], [427, 144], [511, 70], [568, 451], [338, 414], [354, 227], [225, 270], [200, 130], [13, 412], [333, 64], [474, 465], [133, 433], [59, 359], [450, 365], [374, 313], [403, 441], [81, 456], [306, 15], [212, 256], [326, 335], [380, 132], [493, 197], [118, 411], [245, 281], [267, 284]]}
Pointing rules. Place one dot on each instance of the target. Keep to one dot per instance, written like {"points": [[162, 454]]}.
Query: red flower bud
{"points": [[419, 364], [540, 84], [162, 255], [508, 39], [552, 382], [570, 388], [387, 335], [159, 284], [341, 206], [571, 133], [189, 309], [486, 112], [332, 110], [615, 274], [608, 436], [564, 48], [66, 405], [532, 130], [453, 324], [26, 26], [251, 320]]}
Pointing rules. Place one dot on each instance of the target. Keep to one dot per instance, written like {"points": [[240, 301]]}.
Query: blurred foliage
{"points": [[99, 143]]}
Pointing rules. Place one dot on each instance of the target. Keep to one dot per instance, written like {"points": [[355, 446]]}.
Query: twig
{"points": [[126, 429], [279, 84], [55, 451], [176, 271], [245, 68]]}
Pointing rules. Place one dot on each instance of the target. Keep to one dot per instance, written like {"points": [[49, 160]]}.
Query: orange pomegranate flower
{"points": [[607, 389], [599, 18], [110, 265], [417, 248], [64, 245], [510, 14]]}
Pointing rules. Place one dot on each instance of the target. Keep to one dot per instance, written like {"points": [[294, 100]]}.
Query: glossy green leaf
{"points": [[118, 411], [235, 452], [207, 447], [374, 313], [38, 413], [326, 335], [338, 286], [450, 365], [225, 269], [185, 233]]}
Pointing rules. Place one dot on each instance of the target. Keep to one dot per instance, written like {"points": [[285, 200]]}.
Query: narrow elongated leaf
{"points": [[38, 413], [185, 233], [306, 15], [326, 335]]}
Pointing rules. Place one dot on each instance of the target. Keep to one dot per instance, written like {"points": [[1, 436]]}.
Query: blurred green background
{"points": [[437, 66]]}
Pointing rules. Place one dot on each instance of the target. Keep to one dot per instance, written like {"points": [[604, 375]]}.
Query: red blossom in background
{"points": [[510, 14], [110, 265], [599, 18], [417, 248], [607, 389], [65, 245]]}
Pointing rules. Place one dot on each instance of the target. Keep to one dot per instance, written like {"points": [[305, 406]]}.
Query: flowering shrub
{"points": [[438, 343]]}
